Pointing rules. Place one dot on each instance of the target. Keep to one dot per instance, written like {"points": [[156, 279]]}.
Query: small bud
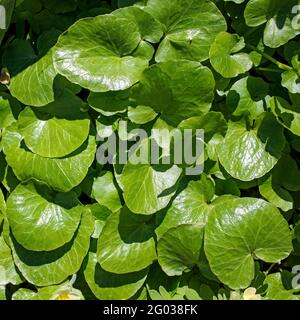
{"points": [[4, 76]]}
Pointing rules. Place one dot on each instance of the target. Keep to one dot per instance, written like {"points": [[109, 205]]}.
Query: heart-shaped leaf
{"points": [[225, 57], [241, 230]]}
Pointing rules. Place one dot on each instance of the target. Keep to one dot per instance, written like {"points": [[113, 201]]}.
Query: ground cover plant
{"points": [[73, 72]]}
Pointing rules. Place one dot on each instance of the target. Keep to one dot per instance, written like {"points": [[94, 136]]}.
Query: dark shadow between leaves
{"points": [[270, 132], [106, 279], [73, 154], [135, 228]]}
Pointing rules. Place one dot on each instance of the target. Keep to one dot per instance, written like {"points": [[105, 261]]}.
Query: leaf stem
{"points": [[279, 64], [269, 70], [270, 268]]}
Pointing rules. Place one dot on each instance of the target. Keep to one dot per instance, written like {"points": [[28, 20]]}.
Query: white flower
{"points": [[250, 294], [67, 293]]}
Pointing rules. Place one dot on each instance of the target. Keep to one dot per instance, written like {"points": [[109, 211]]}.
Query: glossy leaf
{"points": [[279, 18], [179, 248], [62, 174], [126, 243], [190, 28], [51, 134], [241, 230], [105, 192], [96, 54], [177, 90], [53, 267], [147, 190], [51, 218], [225, 57], [250, 154], [191, 206]]}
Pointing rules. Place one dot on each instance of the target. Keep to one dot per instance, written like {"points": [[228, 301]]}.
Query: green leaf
{"points": [[126, 243], [100, 214], [8, 272], [23, 294], [178, 250], [62, 174], [241, 230], [290, 80], [150, 29], [147, 190], [191, 206], [141, 114], [277, 15], [9, 110], [33, 86], [247, 97], [3, 293], [276, 290], [53, 267], [109, 103], [176, 90], [96, 54], [190, 27], [105, 192], [59, 292], [250, 154], [286, 114], [289, 179], [52, 218], [225, 57], [110, 286], [57, 6], [18, 55], [50, 134], [2, 203], [275, 194], [211, 122]]}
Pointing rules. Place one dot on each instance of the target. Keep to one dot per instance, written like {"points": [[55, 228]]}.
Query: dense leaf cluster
{"points": [[72, 72]]}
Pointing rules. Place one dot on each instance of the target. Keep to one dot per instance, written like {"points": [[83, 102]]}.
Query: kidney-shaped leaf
{"points": [[54, 135], [62, 174], [42, 221], [52, 267], [246, 97], [144, 187], [178, 250], [190, 28], [191, 206], [241, 230], [126, 243], [177, 90], [250, 154], [97, 53]]}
